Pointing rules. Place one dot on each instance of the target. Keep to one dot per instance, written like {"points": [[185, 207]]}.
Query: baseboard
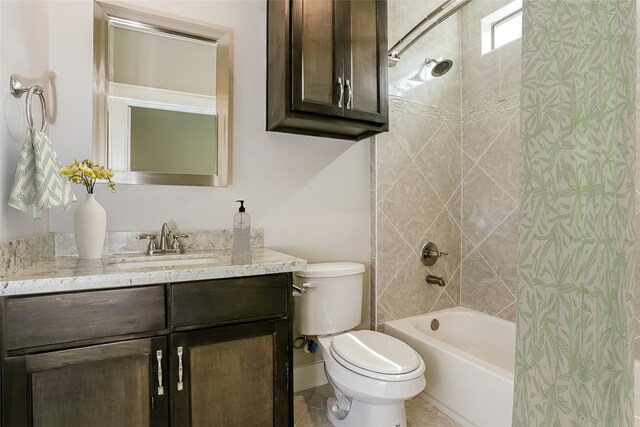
{"points": [[308, 376], [447, 411]]}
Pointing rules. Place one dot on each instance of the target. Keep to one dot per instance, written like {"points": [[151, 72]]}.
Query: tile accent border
{"points": [[415, 108], [25, 252], [498, 106]]}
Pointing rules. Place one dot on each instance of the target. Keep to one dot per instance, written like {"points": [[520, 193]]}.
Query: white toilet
{"points": [[372, 374]]}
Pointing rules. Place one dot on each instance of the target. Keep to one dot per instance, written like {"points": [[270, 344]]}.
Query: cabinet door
{"points": [[366, 60], [232, 376], [105, 385], [317, 56]]}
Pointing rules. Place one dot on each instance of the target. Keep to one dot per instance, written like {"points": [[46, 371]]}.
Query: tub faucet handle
{"points": [[430, 254]]}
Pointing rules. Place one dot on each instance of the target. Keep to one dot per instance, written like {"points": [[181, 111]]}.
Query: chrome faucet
{"points": [[164, 236], [153, 249]]}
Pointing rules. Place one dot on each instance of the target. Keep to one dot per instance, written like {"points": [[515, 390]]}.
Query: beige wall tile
{"points": [[411, 205], [383, 314], [392, 160], [412, 132], [456, 131], [439, 162], [444, 302], [510, 68], [502, 159], [467, 165], [480, 77], [482, 289], [409, 294], [454, 205], [392, 252], [508, 313], [478, 135], [452, 287], [467, 246], [453, 32]]}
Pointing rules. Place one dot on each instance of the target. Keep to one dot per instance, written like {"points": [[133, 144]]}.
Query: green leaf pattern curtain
{"points": [[574, 359]]}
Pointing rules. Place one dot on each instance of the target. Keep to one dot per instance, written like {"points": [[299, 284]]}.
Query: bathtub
{"points": [[470, 362]]}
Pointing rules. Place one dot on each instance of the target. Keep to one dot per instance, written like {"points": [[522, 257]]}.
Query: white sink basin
{"points": [[163, 261]]}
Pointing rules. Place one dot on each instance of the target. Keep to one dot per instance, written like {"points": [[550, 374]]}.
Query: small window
{"points": [[506, 29], [502, 26]]}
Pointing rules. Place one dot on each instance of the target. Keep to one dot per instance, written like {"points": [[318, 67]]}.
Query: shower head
{"points": [[438, 67]]}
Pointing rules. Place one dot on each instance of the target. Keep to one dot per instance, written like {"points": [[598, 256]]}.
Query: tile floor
{"points": [[309, 410]]}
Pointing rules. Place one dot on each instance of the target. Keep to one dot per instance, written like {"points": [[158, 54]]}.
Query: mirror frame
{"points": [[102, 11]]}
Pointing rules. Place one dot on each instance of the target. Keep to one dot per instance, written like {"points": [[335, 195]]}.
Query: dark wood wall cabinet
{"points": [[327, 67], [206, 353]]}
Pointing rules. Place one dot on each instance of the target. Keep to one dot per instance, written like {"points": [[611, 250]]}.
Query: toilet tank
{"points": [[332, 300]]}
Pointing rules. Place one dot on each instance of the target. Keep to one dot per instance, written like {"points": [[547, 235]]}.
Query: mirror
{"points": [[161, 98]]}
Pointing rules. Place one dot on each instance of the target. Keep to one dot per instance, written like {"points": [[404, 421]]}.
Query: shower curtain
{"points": [[574, 361]]}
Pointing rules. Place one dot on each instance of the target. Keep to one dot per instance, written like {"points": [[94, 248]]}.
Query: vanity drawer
{"points": [[228, 300], [60, 318]]}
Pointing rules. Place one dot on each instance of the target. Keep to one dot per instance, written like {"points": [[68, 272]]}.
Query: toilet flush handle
{"points": [[310, 285], [300, 290]]}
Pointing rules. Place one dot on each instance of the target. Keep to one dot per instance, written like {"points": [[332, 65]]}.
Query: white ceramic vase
{"points": [[90, 226]]}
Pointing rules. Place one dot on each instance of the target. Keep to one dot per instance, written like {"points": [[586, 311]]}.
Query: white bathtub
{"points": [[470, 362]]}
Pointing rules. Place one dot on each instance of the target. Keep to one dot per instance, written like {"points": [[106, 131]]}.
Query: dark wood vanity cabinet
{"points": [[250, 365], [206, 353], [327, 67], [104, 385]]}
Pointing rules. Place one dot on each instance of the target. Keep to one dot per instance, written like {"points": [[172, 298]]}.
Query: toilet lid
{"points": [[376, 352]]}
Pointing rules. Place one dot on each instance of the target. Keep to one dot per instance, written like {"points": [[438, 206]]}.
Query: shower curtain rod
{"points": [[394, 55]]}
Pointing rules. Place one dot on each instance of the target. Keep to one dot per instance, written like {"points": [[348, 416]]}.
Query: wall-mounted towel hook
{"points": [[17, 88]]}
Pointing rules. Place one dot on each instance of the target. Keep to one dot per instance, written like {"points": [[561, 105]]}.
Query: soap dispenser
{"points": [[241, 252]]}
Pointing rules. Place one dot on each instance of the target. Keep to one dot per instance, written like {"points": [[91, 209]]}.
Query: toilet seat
{"points": [[376, 355]]}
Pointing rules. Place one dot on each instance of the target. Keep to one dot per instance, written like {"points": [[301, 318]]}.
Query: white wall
{"points": [[311, 195], [24, 48]]}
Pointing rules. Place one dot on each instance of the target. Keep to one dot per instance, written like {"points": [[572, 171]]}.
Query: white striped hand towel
{"points": [[38, 182]]}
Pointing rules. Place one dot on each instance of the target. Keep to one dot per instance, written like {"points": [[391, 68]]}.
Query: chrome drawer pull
{"points": [[160, 387], [180, 383]]}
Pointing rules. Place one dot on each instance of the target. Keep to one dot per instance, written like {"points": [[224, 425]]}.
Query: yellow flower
{"points": [[86, 172]]}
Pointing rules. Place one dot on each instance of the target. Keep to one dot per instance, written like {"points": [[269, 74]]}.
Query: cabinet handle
{"points": [[160, 387], [347, 83], [180, 370], [341, 93]]}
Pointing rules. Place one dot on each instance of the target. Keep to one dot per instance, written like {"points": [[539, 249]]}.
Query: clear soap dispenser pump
{"points": [[241, 253]]}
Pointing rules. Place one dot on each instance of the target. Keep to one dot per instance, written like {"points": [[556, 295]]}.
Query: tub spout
{"points": [[435, 280]]}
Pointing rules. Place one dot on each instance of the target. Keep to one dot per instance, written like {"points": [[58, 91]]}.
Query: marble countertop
{"points": [[72, 274]]}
